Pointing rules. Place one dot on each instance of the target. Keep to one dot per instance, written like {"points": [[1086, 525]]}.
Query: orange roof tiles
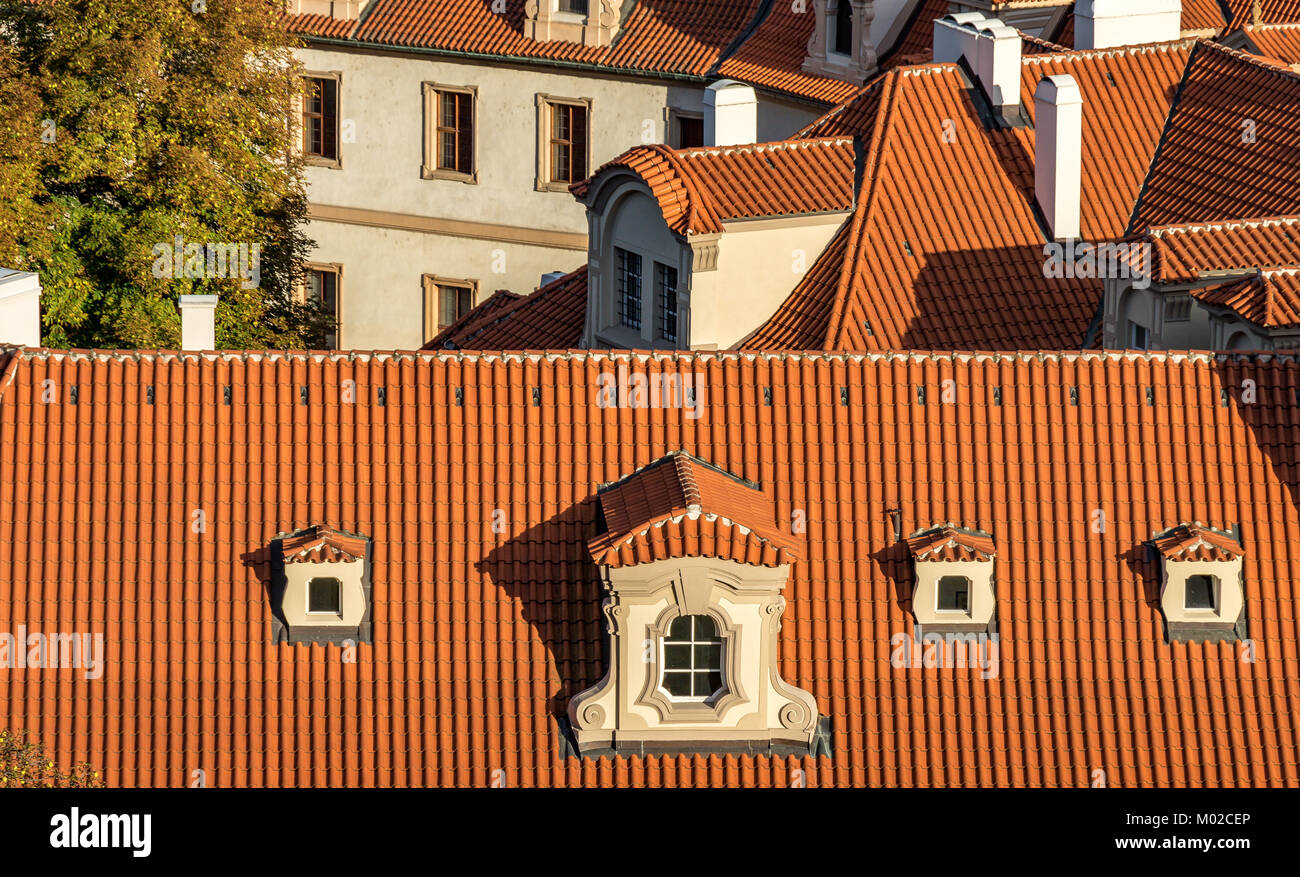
{"points": [[481, 636], [1280, 42], [948, 542], [697, 189], [1197, 542], [323, 545], [1271, 12], [945, 248], [1192, 251], [1232, 144], [915, 45], [1270, 299], [774, 55], [551, 318], [680, 506], [1203, 15]]}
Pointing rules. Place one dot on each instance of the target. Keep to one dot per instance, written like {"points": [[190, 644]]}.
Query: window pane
{"points": [[560, 123], [681, 628], [447, 150], [465, 304], [447, 296], [708, 657], [677, 657], [1200, 592], [579, 150], [324, 595], [690, 132], [465, 126], [329, 110], [954, 594], [705, 629], [678, 684], [447, 103], [707, 683]]}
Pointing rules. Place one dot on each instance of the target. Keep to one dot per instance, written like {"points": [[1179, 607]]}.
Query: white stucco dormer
{"points": [[1202, 592], [954, 590], [589, 22], [321, 586]]}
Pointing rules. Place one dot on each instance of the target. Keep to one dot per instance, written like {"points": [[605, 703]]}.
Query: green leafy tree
{"points": [[24, 765], [129, 127]]}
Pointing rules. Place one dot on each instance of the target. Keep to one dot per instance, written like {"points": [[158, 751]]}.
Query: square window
{"points": [[954, 594], [1200, 592], [677, 657], [325, 596], [690, 132]]}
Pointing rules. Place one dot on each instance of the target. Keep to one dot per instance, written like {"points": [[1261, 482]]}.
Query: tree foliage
{"points": [[125, 126], [24, 765]]}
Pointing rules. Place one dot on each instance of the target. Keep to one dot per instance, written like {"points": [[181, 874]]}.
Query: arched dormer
{"points": [[954, 579], [1201, 592], [589, 22], [693, 563]]}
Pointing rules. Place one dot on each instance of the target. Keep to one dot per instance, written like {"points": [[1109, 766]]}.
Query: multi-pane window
{"points": [[629, 288], [568, 143], [320, 118], [1200, 592], [954, 594], [843, 28], [454, 132], [692, 658], [325, 596], [322, 285], [666, 296]]}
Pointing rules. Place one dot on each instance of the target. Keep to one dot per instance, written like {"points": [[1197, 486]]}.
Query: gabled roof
{"points": [[1232, 145], [1270, 299], [1197, 542], [1281, 42], [946, 244], [1189, 252], [697, 189], [949, 542], [318, 544], [680, 506], [551, 318], [484, 624]]}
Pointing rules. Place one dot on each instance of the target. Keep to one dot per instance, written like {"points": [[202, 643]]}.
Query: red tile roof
{"points": [[1197, 542], [1189, 252], [480, 637], [697, 189], [1203, 15], [551, 318], [949, 542], [945, 249], [774, 55], [1270, 299], [1232, 144], [680, 506], [915, 45], [1280, 42], [1271, 12], [323, 545]]}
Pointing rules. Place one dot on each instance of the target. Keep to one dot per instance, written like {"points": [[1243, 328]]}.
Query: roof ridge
{"points": [[1111, 51], [1218, 225], [697, 199], [790, 143], [1254, 60]]}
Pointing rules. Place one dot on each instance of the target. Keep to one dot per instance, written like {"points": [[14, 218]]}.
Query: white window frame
{"points": [[324, 613], [1215, 603], [721, 669], [938, 592]]}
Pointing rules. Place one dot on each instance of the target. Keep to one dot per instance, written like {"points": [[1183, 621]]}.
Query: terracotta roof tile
{"points": [[949, 542], [1197, 542], [1203, 15], [1183, 253], [680, 506], [323, 545], [1271, 12], [318, 25], [551, 318], [1232, 144], [915, 44], [698, 189], [1270, 299], [478, 634], [773, 57], [1280, 42]]}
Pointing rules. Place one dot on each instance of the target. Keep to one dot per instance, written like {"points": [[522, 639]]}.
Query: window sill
{"points": [[428, 173], [623, 338], [317, 161], [548, 186]]}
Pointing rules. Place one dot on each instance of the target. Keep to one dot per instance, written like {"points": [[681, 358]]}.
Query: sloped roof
{"points": [[1270, 299], [551, 318], [1271, 12], [1189, 252], [945, 248], [697, 189], [479, 635], [1203, 15], [1197, 542], [319, 544], [773, 57], [1232, 144], [949, 542], [680, 506], [1281, 42]]}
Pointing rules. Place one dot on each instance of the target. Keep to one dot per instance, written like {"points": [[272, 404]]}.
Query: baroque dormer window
{"points": [[840, 46], [1201, 591], [320, 589], [589, 22], [954, 579], [693, 564]]}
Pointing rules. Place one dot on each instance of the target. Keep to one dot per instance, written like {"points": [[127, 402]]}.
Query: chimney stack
{"points": [[20, 308], [1058, 153], [1101, 24], [198, 322], [992, 51], [730, 114]]}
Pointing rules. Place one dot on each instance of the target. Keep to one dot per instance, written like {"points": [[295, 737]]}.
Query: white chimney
{"points": [[991, 49], [1100, 24], [20, 308], [730, 114], [1058, 153], [198, 322]]}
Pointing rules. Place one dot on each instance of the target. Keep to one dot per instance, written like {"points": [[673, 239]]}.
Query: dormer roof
{"points": [[681, 506], [1197, 542], [1270, 299], [318, 544], [949, 542]]}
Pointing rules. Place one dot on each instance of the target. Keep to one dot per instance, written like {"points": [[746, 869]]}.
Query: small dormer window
{"points": [[1202, 592], [840, 46], [843, 42], [574, 7], [588, 22], [692, 658], [320, 586], [954, 594], [324, 596], [954, 580]]}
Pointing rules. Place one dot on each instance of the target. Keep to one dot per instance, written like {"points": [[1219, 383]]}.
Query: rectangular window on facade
{"points": [[666, 299], [320, 118], [568, 143], [690, 132], [321, 284], [445, 302], [450, 123], [629, 288]]}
